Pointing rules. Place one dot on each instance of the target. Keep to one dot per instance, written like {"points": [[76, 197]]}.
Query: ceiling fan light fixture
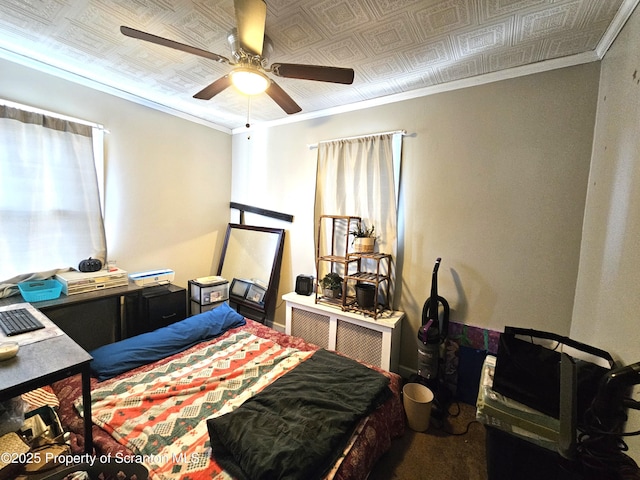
{"points": [[249, 81]]}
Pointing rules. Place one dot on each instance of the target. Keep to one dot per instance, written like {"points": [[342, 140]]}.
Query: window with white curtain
{"points": [[50, 206], [360, 176]]}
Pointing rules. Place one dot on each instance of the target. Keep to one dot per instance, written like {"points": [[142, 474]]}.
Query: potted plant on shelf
{"points": [[366, 294], [331, 285], [363, 238]]}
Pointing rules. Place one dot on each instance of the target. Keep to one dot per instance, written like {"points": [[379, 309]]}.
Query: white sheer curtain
{"points": [[360, 177], [50, 210]]}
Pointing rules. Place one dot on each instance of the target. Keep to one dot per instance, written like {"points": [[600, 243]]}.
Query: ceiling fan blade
{"points": [[148, 37], [314, 72], [207, 93], [282, 98], [251, 16]]}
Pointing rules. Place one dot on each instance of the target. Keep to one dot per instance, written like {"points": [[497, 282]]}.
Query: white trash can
{"points": [[417, 400]]}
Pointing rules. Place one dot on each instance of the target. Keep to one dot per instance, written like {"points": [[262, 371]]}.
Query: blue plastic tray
{"points": [[39, 290]]}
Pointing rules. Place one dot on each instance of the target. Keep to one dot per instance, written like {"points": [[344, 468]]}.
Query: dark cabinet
{"points": [[91, 319], [156, 307], [90, 324]]}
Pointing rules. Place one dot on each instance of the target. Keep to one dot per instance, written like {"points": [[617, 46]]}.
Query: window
{"points": [[50, 207], [360, 176]]}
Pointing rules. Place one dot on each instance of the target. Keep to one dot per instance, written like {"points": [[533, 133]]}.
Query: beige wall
{"points": [[607, 299], [167, 179], [494, 180]]}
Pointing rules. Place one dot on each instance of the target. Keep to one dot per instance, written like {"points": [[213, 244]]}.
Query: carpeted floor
{"points": [[437, 454]]}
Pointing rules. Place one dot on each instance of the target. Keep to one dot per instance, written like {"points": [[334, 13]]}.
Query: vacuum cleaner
{"points": [[600, 444], [431, 340]]}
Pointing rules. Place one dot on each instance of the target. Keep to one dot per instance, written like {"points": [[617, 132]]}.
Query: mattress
{"points": [[370, 440]]}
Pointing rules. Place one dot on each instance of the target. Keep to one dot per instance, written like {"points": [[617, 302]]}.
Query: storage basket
{"points": [[39, 290]]}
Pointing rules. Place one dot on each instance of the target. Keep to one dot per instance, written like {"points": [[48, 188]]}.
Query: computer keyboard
{"points": [[20, 320]]}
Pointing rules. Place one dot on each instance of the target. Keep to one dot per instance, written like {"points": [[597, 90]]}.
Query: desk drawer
{"points": [[167, 308]]}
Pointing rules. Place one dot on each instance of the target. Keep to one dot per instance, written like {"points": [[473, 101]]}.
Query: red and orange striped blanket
{"points": [[156, 414]]}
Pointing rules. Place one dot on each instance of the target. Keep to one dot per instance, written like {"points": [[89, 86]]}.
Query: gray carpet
{"points": [[437, 454]]}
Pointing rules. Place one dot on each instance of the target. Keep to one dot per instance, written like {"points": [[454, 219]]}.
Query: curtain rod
{"points": [[29, 108], [315, 145]]}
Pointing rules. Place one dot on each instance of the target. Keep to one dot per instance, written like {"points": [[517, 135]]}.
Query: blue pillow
{"points": [[115, 358]]}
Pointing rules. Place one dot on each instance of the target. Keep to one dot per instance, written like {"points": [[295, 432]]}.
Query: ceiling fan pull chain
{"points": [[248, 124]]}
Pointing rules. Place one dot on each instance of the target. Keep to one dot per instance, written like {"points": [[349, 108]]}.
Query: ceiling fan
{"points": [[250, 49]]}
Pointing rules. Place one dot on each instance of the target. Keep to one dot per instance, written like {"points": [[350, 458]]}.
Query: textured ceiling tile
{"points": [[514, 57], [200, 74], [605, 10], [394, 46], [85, 40], [200, 30], [387, 67], [434, 53], [483, 39], [45, 12], [340, 16], [154, 60], [143, 13], [98, 19], [312, 94], [548, 21], [390, 35], [295, 33], [384, 8], [599, 14], [279, 8], [569, 45], [412, 81], [343, 52], [465, 69], [445, 16], [490, 9], [222, 10], [180, 81], [379, 89]]}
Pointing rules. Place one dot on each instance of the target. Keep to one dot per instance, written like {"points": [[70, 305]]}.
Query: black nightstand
{"points": [[157, 307]]}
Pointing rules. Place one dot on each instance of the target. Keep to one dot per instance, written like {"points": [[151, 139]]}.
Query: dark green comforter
{"points": [[298, 426]]}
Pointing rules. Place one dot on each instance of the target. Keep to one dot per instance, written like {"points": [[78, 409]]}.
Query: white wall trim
{"points": [[623, 14]]}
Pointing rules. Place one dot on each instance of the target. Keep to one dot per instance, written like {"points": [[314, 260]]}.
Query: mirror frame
{"points": [[251, 310]]}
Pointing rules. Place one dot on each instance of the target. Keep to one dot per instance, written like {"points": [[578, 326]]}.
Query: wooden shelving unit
{"points": [[332, 252], [332, 255], [377, 276]]}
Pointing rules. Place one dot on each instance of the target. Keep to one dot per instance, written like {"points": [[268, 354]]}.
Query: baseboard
{"points": [[277, 327]]}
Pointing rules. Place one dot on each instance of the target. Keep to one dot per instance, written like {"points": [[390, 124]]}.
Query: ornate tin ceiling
{"points": [[395, 46]]}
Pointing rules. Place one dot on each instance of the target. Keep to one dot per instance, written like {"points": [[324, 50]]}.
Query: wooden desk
{"points": [[42, 363], [91, 319]]}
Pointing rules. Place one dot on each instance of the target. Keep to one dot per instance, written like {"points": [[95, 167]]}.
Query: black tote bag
{"points": [[530, 373]]}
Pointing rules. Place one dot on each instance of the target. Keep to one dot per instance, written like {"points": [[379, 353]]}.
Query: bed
{"points": [[219, 408]]}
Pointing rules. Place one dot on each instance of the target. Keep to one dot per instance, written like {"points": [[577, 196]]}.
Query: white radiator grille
{"points": [[359, 342], [311, 326]]}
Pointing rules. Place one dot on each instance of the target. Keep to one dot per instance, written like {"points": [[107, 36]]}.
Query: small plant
{"points": [[331, 281], [361, 231]]}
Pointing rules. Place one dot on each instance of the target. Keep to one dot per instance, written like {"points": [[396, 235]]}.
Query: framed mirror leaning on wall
{"points": [[250, 260]]}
